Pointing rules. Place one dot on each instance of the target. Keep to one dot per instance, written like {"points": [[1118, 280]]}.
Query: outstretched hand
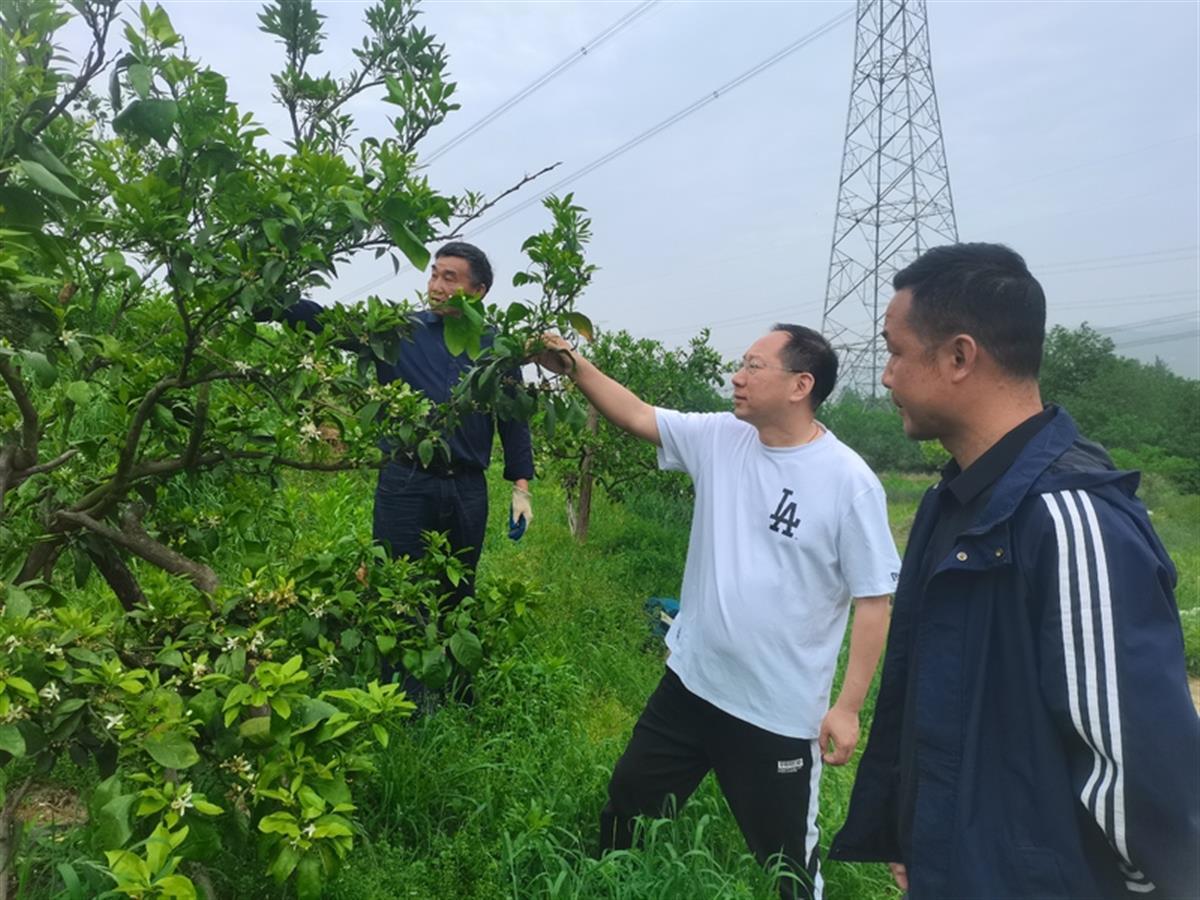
{"points": [[556, 355]]}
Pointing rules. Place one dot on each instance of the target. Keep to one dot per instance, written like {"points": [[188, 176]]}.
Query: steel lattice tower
{"points": [[894, 196]]}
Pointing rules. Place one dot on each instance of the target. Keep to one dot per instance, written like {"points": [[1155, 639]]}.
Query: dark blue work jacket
{"points": [[1057, 750]]}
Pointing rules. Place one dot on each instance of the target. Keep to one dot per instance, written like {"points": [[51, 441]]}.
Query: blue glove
{"points": [[520, 513]]}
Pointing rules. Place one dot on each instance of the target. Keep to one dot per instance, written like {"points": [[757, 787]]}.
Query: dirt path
{"points": [[1194, 684]]}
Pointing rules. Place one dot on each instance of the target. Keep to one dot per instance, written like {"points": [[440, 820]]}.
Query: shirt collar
{"points": [[996, 460]]}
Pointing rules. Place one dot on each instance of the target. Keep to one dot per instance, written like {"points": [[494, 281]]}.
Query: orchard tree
{"points": [[142, 235]]}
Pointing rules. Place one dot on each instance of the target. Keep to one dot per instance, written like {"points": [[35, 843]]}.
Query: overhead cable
{"points": [[542, 80]]}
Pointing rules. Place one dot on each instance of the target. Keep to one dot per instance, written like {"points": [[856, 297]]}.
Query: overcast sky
{"points": [[1070, 132]]}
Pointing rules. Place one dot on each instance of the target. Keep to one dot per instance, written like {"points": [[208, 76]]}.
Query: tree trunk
{"points": [[8, 832], [583, 513], [118, 575]]}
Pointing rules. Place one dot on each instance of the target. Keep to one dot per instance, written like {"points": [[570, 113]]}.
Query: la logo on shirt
{"points": [[784, 520]]}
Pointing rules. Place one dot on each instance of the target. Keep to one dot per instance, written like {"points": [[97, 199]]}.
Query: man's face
{"points": [[449, 275], [915, 374], [763, 387]]}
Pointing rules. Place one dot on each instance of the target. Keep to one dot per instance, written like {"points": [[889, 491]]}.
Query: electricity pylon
{"points": [[894, 197]]}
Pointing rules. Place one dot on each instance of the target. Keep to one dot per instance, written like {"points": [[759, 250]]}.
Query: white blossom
{"points": [[309, 432], [183, 800], [113, 721], [50, 692]]}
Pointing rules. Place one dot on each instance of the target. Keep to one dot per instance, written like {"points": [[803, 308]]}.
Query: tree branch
{"points": [[91, 65], [457, 232], [134, 538], [29, 416], [199, 422]]}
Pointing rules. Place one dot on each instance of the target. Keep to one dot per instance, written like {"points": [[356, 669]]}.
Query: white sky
{"points": [[1070, 132]]}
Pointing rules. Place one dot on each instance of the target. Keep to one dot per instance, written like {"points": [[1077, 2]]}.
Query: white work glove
{"points": [[520, 513]]}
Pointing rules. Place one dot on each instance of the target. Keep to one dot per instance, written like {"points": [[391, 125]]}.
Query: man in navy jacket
{"points": [[446, 495], [1034, 735]]}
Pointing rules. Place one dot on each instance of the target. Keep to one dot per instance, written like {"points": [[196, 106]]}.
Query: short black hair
{"points": [[477, 261], [984, 290], [807, 351]]}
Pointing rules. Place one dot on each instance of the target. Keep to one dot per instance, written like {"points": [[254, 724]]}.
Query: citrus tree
{"points": [[145, 230]]}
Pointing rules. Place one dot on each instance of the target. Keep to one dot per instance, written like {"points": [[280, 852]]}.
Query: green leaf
{"points": [[176, 887], [11, 740], [583, 325], [43, 370], [460, 335], [395, 215], [154, 119], [425, 452], [380, 733], [140, 78], [20, 208], [350, 639], [309, 883], [17, 603], [45, 179], [367, 414], [39, 153], [385, 642], [171, 749], [315, 710], [207, 809], [467, 649], [279, 823], [127, 867], [284, 863], [256, 728], [273, 229], [112, 821], [79, 392]]}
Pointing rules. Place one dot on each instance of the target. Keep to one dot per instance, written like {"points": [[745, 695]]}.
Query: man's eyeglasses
{"points": [[757, 365]]}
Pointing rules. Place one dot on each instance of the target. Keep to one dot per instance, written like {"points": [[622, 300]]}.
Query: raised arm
{"points": [[614, 401]]}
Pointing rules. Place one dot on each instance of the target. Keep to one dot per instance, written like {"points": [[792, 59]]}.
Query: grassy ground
{"points": [[502, 799]]}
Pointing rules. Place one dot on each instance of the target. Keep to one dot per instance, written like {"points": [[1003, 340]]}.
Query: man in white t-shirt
{"points": [[789, 525]]}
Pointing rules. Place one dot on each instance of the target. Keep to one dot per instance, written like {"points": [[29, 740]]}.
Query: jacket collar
{"points": [[1031, 464]]}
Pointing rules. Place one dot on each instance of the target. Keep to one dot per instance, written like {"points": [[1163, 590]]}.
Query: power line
{"points": [[1144, 299], [541, 81], [1159, 339], [679, 116], [1188, 250], [1144, 323], [725, 88]]}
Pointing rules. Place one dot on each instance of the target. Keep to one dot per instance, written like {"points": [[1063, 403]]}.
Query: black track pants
{"points": [[770, 781]]}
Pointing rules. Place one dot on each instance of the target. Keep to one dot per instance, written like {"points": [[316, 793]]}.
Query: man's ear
{"points": [[964, 356], [804, 385]]}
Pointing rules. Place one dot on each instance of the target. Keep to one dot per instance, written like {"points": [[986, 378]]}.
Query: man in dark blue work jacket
{"points": [[449, 496], [1033, 736]]}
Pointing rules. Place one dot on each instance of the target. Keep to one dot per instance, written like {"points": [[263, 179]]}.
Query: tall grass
{"points": [[502, 799]]}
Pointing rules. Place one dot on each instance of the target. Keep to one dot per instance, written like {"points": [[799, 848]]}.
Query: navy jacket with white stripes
{"points": [[1057, 748]]}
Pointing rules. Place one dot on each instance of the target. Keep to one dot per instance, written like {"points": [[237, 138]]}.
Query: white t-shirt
{"points": [[781, 539]]}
